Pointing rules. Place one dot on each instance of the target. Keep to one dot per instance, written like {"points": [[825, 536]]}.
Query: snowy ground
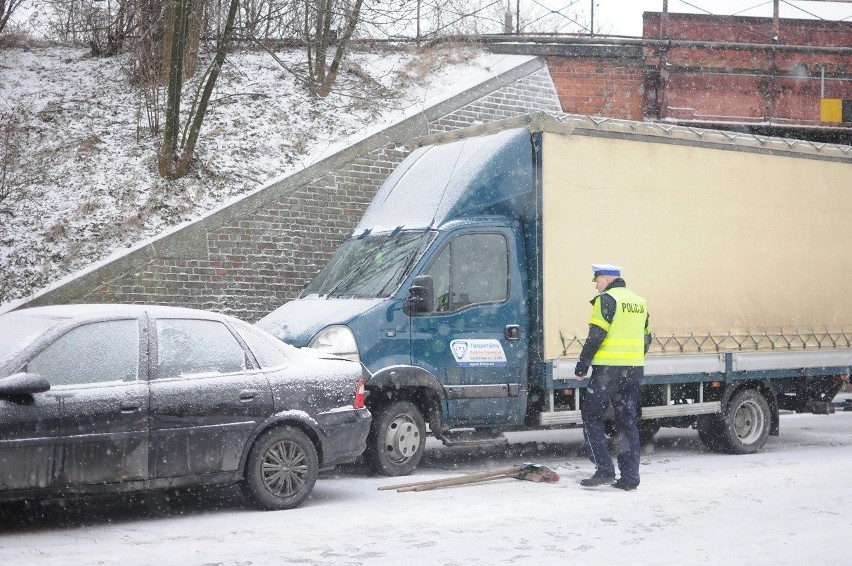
{"points": [[788, 504], [80, 157]]}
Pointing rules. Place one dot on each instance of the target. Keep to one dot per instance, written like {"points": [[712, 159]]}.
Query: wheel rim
{"points": [[284, 468], [749, 422], [402, 439]]}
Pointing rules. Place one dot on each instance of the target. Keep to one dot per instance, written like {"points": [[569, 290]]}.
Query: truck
{"points": [[464, 290]]}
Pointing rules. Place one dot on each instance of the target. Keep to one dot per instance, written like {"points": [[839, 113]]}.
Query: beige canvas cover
{"points": [[734, 248]]}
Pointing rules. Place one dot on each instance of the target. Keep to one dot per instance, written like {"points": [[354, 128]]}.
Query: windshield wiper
{"points": [[412, 257], [356, 271]]}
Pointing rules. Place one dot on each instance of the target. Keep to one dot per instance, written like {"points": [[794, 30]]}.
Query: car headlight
{"points": [[337, 340]]}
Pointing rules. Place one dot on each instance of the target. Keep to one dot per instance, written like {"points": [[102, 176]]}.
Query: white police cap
{"points": [[606, 269]]}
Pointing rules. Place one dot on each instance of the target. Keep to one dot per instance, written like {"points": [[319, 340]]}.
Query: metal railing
{"points": [[732, 342]]}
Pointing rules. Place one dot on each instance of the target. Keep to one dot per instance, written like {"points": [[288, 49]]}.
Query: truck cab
{"points": [[430, 293]]}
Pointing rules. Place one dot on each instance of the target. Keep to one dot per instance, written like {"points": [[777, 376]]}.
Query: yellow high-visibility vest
{"points": [[624, 344]]}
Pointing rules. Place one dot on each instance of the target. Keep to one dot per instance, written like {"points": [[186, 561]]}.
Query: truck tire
{"points": [[742, 429], [281, 469], [648, 428], [709, 427], [396, 440]]}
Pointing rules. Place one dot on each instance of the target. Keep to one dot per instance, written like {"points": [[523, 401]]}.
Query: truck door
{"points": [[475, 340]]}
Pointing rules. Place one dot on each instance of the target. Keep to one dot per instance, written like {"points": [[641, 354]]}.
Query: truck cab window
{"points": [[470, 269]]}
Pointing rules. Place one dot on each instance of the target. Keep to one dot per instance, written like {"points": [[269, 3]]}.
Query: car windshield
{"points": [[16, 331], [370, 266]]}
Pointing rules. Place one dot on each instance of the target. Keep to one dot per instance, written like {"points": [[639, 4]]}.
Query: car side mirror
{"points": [[421, 296], [23, 384]]}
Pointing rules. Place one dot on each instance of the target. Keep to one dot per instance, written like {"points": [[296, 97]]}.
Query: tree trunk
{"points": [[342, 45], [7, 7], [213, 75], [175, 44], [176, 155], [319, 36], [193, 38], [190, 36]]}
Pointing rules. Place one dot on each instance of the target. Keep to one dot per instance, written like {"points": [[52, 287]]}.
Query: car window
{"points": [[92, 353], [470, 269], [267, 352], [188, 346], [18, 330]]}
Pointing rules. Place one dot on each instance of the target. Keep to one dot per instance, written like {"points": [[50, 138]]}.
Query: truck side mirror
{"points": [[421, 296]]}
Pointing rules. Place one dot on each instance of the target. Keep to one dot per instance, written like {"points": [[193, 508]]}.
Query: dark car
{"points": [[106, 398]]}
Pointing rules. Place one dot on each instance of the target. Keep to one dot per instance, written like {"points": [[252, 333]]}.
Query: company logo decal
{"points": [[478, 353], [459, 349]]}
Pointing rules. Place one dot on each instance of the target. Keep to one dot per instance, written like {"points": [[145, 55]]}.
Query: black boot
{"points": [[597, 480], [621, 484]]}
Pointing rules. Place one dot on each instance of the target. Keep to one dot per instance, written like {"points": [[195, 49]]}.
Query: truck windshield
{"points": [[369, 267]]}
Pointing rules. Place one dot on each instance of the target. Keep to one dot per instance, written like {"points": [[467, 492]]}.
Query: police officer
{"points": [[618, 340]]}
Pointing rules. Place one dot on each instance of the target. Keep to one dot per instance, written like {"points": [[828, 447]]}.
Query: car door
{"points": [[29, 430], [206, 398], [472, 341], [96, 376]]}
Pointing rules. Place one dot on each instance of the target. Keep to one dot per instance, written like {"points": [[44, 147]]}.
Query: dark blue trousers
{"points": [[619, 386]]}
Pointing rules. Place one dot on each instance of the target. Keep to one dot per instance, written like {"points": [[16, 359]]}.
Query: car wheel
{"points": [[396, 440], [281, 470]]}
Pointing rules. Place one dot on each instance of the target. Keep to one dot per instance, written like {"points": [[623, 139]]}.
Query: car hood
{"points": [[299, 320]]}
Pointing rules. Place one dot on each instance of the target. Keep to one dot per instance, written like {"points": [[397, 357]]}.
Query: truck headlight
{"points": [[337, 340]]}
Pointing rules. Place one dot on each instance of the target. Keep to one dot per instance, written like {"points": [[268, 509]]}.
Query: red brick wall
{"points": [[743, 29], [599, 87], [728, 85], [751, 86]]}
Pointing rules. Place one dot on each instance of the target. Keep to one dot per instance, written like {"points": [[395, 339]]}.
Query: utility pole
{"points": [[518, 17], [592, 25], [775, 25]]}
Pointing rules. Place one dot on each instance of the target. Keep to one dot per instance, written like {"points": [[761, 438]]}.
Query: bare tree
{"points": [[328, 24], [7, 8], [14, 133], [178, 148], [103, 25], [434, 19], [150, 59]]}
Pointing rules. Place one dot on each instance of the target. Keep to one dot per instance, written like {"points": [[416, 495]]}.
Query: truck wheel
{"points": [[709, 427], [647, 429], [396, 440], [744, 427], [281, 470]]}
